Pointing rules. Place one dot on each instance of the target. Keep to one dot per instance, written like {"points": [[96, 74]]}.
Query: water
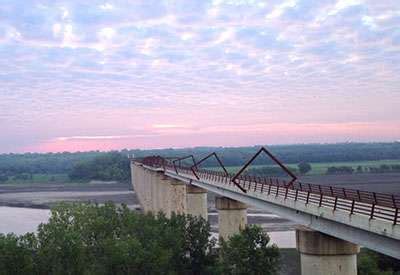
{"points": [[23, 220], [283, 239]]}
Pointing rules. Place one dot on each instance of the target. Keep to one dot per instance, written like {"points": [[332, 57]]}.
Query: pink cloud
{"points": [[275, 133]]}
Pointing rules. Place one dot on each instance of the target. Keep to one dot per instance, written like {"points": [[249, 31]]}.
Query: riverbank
{"points": [[44, 196]]}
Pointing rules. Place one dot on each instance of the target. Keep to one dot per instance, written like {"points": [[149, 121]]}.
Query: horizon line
{"points": [[203, 146]]}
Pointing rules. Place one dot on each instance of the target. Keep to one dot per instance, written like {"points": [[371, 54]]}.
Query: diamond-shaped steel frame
{"points": [[196, 165], [277, 161]]}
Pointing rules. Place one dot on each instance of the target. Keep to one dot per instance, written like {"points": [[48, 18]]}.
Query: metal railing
{"points": [[374, 205]]}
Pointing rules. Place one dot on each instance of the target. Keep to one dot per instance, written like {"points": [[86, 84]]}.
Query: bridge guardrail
{"points": [[372, 204]]}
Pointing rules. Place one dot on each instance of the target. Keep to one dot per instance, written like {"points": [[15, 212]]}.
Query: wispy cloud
{"points": [[91, 137], [82, 70]]}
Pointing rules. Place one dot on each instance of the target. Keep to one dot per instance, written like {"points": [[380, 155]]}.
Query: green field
{"points": [[40, 178], [319, 168]]}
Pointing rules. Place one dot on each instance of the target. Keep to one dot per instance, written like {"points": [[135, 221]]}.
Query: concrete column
{"points": [[321, 254], [157, 192], [153, 192], [232, 216], [134, 176], [165, 195], [137, 181], [147, 186], [196, 199], [177, 196]]}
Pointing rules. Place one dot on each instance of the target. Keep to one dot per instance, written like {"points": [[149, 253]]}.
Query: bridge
{"points": [[334, 221]]}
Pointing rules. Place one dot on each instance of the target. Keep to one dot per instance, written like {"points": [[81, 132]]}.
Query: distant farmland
{"points": [[320, 168]]}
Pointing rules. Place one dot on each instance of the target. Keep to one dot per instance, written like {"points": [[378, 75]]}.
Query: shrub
{"points": [[249, 253], [304, 167]]}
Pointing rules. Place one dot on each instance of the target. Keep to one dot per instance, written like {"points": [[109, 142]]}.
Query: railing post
{"points": [[308, 197], [287, 189], [269, 189], [372, 212], [297, 193], [396, 211], [320, 199], [277, 191], [335, 205], [352, 207], [373, 206]]}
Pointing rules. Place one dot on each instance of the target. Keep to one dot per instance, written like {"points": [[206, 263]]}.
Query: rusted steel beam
{"points": [[197, 164], [277, 161], [180, 159]]}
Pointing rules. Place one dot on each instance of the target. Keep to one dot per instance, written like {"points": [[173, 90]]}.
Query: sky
{"points": [[103, 75]]}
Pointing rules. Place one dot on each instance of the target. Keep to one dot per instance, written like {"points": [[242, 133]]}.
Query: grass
{"points": [[41, 178], [319, 168]]}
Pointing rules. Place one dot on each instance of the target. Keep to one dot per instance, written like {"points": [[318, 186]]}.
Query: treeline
{"points": [[384, 168], [269, 171], [23, 166], [112, 166], [289, 154]]}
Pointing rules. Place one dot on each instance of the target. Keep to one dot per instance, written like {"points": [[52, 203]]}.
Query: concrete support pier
{"points": [[196, 201], [322, 254], [157, 192], [232, 216], [177, 196]]}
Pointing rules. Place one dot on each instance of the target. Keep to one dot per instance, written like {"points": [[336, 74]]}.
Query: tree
{"points": [[111, 166], [93, 239], [3, 178], [341, 170], [368, 264], [249, 252], [304, 167]]}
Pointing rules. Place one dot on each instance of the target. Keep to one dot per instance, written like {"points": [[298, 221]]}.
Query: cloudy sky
{"points": [[81, 75]]}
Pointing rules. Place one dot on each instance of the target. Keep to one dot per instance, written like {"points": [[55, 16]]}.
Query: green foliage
{"points": [[385, 168], [108, 167], [267, 171], [23, 176], [373, 263], [93, 239], [249, 253], [304, 167], [17, 254], [3, 178], [368, 264], [341, 170]]}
